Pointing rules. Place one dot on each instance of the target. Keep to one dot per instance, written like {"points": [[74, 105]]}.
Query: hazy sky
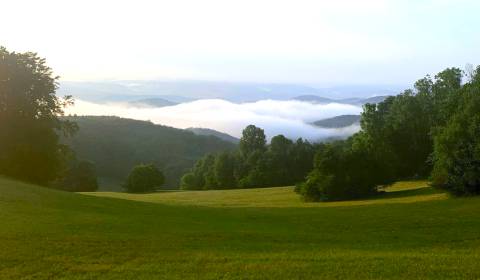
{"points": [[319, 42]]}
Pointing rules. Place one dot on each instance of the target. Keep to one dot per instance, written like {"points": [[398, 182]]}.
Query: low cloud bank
{"points": [[290, 118]]}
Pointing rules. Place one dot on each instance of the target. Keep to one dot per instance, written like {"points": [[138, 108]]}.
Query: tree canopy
{"points": [[29, 118], [434, 126], [254, 164]]}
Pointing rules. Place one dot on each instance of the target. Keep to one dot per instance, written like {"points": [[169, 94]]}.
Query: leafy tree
{"points": [[301, 160], [29, 118], [209, 172], [144, 178], [202, 176], [342, 170], [253, 140], [259, 171], [397, 141], [79, 177], [280, 155], [457, 145], [281, 163], [224, 169]]}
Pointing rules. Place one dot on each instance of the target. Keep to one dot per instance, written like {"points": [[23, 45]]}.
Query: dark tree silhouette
{"points": [[29, 118], [253, 139]]}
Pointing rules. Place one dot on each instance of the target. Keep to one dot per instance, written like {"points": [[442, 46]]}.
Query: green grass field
{"points": [[409, 232]]}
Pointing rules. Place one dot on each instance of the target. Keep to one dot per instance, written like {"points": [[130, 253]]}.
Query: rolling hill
{"points": [[351, 101], [115, 145], [411, 232], [179, 91], [338, 121], [212, 132], [151, 102]]}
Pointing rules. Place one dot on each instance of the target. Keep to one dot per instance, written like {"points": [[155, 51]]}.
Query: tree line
{"points": [[431, 131], [254, 164]]}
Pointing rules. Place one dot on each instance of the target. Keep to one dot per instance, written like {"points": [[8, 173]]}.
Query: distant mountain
{"points": [[352, 101], [115, 145], [338, 121], [179, 91], [314, 99], [212, 132], [375, 99], [151, 102]]}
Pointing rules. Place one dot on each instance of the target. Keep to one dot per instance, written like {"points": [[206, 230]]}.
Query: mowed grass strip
{"points": [[401, 192], [47, 234]]}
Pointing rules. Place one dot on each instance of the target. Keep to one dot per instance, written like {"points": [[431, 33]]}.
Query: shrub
{"points": [[144, 178]]}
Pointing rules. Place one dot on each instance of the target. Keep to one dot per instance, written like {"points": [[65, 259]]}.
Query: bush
{"points": [[144, 178], [316, 187], [341, 171]]}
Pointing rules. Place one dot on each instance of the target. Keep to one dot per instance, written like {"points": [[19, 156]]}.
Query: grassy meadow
{"points": [[409, 232]]}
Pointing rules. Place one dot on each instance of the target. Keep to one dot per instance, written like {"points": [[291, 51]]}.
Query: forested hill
{"points": [[115, 145], [212, 132], [338, 121]]}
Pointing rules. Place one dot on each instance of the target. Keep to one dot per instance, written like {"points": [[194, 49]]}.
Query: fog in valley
{"points": [[291, 118]]}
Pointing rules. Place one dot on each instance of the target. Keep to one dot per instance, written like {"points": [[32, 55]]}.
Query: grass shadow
{"points": [[427, 190]]}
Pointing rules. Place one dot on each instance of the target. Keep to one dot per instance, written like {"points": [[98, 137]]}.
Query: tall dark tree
{"points": [[224, 168], [253, 140], [301, 158], [457, 145], [280, 154], [29, 118]]}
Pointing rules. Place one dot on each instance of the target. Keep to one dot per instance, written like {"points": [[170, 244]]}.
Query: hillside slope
{"points": [[51, 234], [115, 145], [212, 132], [338, 121]]}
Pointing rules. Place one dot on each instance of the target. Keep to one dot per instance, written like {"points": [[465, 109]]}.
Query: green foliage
{"points": [[397, 141], [144, 178], [254, 164], [457, 145], [79, 177], [224, 170], [29, 123], [342, 170], [253, 140], [115, 145]]}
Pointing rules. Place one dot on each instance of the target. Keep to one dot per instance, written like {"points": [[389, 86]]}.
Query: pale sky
{"points": [[298, 41]]}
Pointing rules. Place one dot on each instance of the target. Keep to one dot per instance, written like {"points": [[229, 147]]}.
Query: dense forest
{"points": [[430, 131], [115, 145]]}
